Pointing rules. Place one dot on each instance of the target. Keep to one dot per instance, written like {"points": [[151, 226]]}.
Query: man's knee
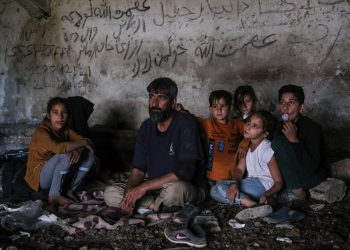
{"points": [[178, 189], [114, 194], [179, 192]]}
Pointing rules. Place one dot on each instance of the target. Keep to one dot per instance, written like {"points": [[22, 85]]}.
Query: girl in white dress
{"points": [[263, 175]]}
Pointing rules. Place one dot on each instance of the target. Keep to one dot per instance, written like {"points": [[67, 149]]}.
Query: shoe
{"points": [[289, 196], [284, 215], [187, 213], [209, 223], [185, 236], [254, 212], [29, 211]]}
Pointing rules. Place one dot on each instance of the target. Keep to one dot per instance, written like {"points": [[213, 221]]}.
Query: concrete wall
{"points": [[108, 51]]}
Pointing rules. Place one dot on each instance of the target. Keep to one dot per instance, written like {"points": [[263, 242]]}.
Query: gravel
{"points": [[328, 228]]}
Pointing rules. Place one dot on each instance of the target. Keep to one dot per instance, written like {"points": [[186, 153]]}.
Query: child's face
{"points": [[58, 116], [220, 110], [254, 128], [247, 106], [289, 105]]}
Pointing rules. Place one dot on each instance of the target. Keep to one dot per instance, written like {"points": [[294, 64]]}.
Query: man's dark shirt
{"points": [[176, 150]]}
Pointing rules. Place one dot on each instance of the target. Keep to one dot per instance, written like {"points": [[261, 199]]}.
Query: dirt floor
{"points": [[328, 228]]}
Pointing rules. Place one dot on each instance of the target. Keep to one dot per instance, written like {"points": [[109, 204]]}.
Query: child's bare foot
{"points": [[248, 202], [60, 200]]}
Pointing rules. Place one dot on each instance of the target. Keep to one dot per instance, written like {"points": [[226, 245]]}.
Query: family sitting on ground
{"points": [[181, 159]]}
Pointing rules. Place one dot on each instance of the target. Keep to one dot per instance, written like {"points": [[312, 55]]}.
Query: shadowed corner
{"points": [[114, 140]]}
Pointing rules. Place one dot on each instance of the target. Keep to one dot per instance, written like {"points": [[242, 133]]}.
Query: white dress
{"points": [[256, 162]]}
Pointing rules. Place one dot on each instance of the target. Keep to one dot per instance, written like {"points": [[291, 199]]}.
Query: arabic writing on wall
{"points": [[143, 36]]}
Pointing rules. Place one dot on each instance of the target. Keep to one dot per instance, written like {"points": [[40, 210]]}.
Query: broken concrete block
{"points": [[330, 190], [341, 169]]}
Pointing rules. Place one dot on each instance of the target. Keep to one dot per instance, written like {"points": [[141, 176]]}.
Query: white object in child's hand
{"points": [[285, 117], [245, 116]]}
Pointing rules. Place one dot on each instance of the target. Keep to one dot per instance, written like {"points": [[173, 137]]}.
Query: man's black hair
{"points": [[269, 122], [218, 94], [163, 85], [241, 92], [295, 90]]}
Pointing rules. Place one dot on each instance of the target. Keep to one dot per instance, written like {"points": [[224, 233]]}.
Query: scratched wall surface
{"points": [[108, 51]]}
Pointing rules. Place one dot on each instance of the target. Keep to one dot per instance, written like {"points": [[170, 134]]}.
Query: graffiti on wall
{"points": [[144, 36]]}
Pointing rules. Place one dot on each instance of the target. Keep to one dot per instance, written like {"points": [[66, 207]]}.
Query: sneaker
{"points": [[284, 215], [254, 212], [187, 213], [209, 223], [185, 236]]}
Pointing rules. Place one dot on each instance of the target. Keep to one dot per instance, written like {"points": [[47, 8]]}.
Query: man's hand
{"points": [[128, 202], [74, 157], [126, 209], [241, 153], [132, 195], [179, 107], [290, 131], [232, 192]]}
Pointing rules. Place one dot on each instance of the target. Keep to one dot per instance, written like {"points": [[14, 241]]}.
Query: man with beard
{"points": [[168, 151]]}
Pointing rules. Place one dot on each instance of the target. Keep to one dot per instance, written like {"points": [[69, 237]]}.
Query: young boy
{"points": [[223, 137], [299, 146]]}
